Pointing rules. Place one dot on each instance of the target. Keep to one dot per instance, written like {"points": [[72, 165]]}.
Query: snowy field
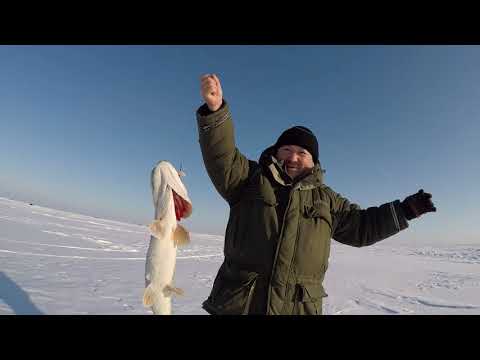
{"points": [[56, 262]]}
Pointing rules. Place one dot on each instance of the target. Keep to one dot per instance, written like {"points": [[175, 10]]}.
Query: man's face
{"points": [[297, 160]]}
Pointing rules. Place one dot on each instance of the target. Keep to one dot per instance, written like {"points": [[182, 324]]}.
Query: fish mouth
{"points": [[183, 208]]}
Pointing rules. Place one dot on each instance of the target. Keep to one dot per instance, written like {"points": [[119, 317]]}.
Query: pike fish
{"points": [[171, 203]]}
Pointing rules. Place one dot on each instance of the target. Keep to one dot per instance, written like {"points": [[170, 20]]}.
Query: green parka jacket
{"points": [[278, 235]]}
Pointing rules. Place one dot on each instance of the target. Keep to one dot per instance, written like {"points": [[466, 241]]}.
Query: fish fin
{"points": [[181, 236], [156, 228], [148, 296], [169, 290]]}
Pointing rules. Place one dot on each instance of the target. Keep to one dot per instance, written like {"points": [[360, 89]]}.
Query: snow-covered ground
{"points": [[56, 262]]}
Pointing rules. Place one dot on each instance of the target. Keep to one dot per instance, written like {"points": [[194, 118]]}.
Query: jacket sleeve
{"points": [[362, 227], [226, 166]]}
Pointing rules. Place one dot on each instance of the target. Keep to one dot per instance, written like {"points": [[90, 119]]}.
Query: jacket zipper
{"points": [[278, 248]]}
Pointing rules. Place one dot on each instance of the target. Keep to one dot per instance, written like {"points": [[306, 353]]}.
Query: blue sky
{"points": [[82, 126]]}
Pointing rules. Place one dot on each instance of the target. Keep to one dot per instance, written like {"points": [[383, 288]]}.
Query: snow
{"points": [[57, 262]]}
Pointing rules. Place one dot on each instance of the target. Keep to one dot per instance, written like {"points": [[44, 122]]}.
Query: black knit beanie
{"points": [[300, 136]]}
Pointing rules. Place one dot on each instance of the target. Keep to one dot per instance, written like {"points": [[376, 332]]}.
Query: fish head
{"points": [[167, 186]]}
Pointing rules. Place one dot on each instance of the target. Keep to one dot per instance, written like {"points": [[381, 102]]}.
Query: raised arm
{"points": [[226, 166]]}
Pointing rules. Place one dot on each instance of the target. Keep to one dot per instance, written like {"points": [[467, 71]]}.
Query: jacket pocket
{"points": [[321, 211], [308, 299], [232, 292], [255, 223], [262, 193]]}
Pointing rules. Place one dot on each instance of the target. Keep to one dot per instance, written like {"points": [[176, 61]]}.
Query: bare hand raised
{"points": [[211, 91]]}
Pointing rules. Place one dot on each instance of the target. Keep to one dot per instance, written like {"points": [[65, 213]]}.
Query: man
{"points": [[282, 217]]}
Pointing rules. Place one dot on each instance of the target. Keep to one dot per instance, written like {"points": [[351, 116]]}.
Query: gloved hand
{"points": [[417, 204]]}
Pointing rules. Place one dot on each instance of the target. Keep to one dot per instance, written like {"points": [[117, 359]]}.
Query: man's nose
{"points": [[293, 157]]}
